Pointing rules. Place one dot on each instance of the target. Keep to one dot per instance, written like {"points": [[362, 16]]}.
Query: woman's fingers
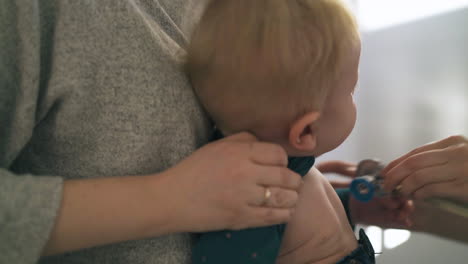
{"points": [[421, 178], [241, 137], [405, 212], [411, 165], [439, 172], [452, 189], [440, 189], [277, 187], [438, 145], [268, 154], [223, 185], [275, 198], [279, 177], [260, 152]]}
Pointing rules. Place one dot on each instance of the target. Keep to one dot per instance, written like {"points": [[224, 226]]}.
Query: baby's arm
{"points": [[319, 231]]}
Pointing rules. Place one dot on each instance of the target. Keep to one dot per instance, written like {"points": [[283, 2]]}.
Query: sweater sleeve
{"points": [[28, 203]]}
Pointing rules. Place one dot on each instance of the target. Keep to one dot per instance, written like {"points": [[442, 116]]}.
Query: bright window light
{"points": [[395, 237], [375, 236], [378, 14], [386, 239]]}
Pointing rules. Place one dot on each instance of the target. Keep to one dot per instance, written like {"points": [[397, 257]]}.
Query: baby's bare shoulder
{"points": [[315, 176]]}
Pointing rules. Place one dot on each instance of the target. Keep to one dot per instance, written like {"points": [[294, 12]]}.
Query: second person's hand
{"points": [[387, 212], [438, 169]]}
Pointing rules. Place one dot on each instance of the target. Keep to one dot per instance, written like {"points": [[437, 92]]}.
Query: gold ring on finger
{"points": [[397, 190], [267, 195]]}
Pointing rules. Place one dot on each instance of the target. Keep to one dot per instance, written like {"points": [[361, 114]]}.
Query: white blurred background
{"points": [[413, 89]]}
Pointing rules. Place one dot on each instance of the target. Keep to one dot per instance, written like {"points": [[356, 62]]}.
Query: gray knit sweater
{"points": [[90, 88]]}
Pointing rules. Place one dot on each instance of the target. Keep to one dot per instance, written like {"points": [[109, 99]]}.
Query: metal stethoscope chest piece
{"points": [[368, 182]]}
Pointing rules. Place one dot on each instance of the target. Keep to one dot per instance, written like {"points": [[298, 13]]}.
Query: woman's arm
{"points": [[433, 220], [101, 211], [196, 195]]}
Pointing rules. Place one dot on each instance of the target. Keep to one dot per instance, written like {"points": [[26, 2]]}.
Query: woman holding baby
{"points": [[104, 148]]}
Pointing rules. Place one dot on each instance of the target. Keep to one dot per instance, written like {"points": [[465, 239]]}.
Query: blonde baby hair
{"points": [[254, 63]]}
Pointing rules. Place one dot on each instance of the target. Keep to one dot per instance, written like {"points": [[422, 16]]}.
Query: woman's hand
{"points": [[223, 186], [438, 169]]}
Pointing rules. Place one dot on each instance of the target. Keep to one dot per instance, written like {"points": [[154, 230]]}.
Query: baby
{"points": [[284, 70]]}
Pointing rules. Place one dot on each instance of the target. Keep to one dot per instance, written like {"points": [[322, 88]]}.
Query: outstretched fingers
{"points": [[280, 177], [413, 164], [438, 145]]}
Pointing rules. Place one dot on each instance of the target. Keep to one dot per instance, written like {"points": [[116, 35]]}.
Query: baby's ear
{"points": [[302, 134]]}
